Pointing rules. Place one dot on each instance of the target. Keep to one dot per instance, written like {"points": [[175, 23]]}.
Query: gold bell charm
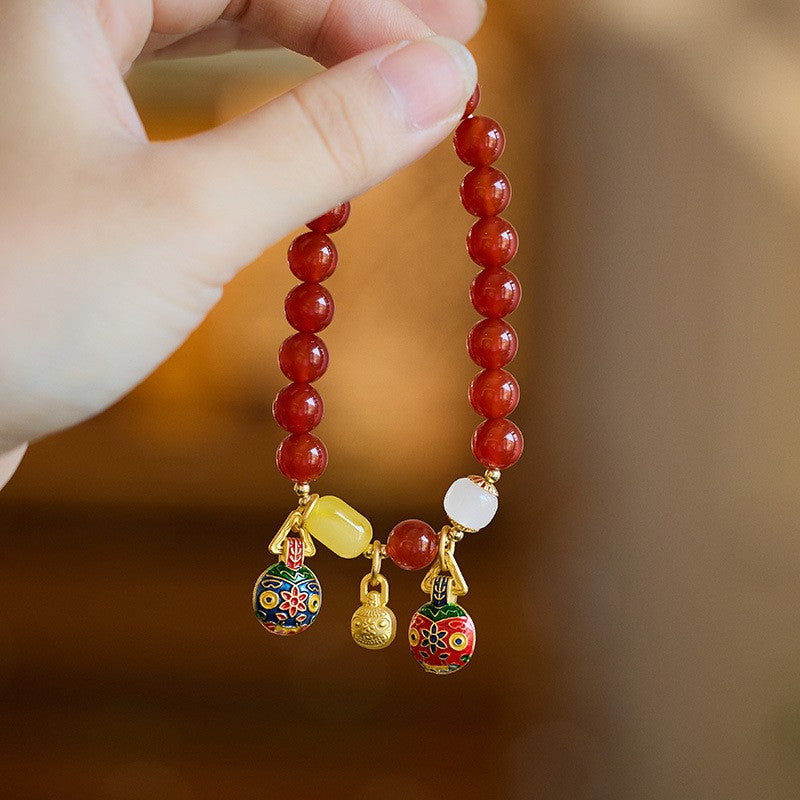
{"points": [[374, 624]]}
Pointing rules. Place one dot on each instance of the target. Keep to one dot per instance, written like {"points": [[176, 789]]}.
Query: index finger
{"points": [[329, 31]]}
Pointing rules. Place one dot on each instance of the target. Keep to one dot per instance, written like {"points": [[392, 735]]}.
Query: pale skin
{"points": [[112, 248]]}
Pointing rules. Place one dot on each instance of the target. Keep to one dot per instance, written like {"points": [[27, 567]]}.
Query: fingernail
{"points": [[431, 80]]}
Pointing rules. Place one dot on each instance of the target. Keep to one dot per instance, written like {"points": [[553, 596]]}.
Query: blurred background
{"points": [[637, 596]]}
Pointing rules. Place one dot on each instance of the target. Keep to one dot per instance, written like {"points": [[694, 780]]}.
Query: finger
{"points": [[9, 461], [459, 21], [332, 30], [126, 26], [58, 80], [221, 37], [250, 182], [327, 30]]}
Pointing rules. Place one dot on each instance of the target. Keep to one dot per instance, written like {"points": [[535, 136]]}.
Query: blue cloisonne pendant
{"points": [[287, 596]]}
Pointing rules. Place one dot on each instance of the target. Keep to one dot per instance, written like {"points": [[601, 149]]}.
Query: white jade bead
{"points": [[468, 504]]}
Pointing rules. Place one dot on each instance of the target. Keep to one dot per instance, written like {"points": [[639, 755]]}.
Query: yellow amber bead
{"points": [[338, 526]]}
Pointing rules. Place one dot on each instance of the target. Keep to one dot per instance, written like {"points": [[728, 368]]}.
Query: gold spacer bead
{"points": [[491, 475], [303, 492], [457, 532], [370, 550]]}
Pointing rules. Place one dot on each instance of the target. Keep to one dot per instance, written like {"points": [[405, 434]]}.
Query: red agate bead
{"points": [[302, 457], [497, 443], [494, 393], [412, 544], [332, 220], [495, 292], [312, 257], [473, 101], [303, 357], [485, 192], [479, 141], [492, 242], [298, 408], [492, 343], [309, 307]]}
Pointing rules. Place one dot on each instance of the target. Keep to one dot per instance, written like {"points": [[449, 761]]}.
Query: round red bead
{"points": [[497, 443], [485, 192], [332, 220], [473, 101], [492, 343], [495, 292], [479, 141], [309, 307], [303, 358], [412, 544], [298, 408], [494, 393], [312, 257], [492, 242], [302, 457]]}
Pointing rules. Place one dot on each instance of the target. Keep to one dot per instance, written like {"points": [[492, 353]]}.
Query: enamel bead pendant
{"points": [[287, 596], [441, 633]]}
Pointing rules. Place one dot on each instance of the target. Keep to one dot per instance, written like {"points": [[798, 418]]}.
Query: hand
{"points": [[112, 248]]}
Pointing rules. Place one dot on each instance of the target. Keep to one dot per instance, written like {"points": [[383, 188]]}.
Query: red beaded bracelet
{"points": [[287, 596]]}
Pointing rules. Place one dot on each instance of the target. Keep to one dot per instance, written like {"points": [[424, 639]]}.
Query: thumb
{"points": [[253, 180]]}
